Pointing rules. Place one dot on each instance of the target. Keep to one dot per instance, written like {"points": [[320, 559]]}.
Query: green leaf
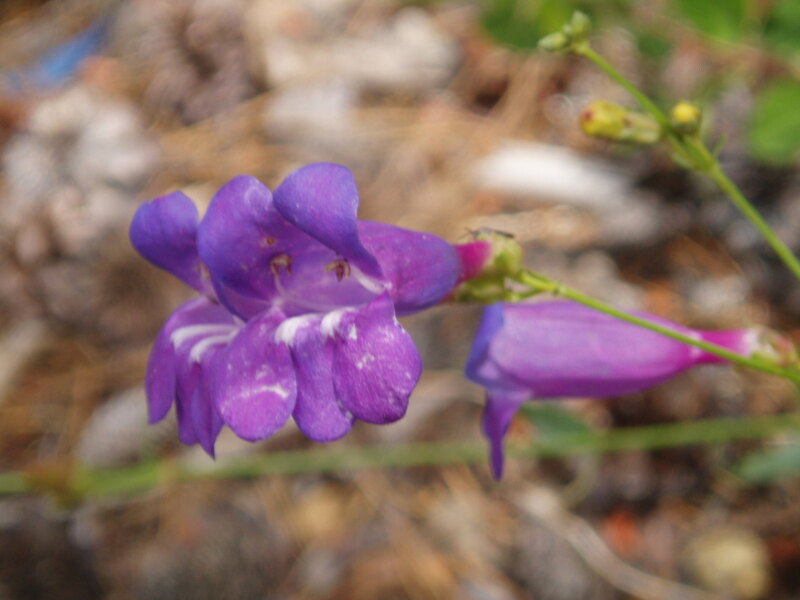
{"points": [[553, 420], [723, 19], [774, 132], [771, 464], [782, 29]]}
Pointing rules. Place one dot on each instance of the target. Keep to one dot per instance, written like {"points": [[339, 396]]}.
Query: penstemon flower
{"points": [[561, 349], [297, 314]]}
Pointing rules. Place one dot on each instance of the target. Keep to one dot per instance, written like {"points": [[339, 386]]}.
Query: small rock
{"points": [[118, 432], [731, 561]]}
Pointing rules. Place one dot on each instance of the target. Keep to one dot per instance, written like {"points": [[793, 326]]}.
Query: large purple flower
{"points": [[562, 349], [297, 313]]}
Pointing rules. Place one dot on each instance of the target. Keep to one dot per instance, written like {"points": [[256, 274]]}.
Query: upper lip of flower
{"points": [[309, 296]]}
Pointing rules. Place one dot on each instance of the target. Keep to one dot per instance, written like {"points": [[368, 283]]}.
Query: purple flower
{"points": [[297, 313], [562, 349]]}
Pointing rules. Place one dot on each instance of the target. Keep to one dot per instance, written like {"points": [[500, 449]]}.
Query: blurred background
{"points": [[450, 122]]}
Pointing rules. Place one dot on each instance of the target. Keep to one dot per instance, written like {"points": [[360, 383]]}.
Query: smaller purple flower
{"points": [[561, 349], [297, 316]]}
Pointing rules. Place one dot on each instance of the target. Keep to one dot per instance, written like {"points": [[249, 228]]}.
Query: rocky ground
{"points": [[446, 131]]}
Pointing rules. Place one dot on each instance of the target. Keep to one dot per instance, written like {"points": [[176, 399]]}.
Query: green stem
{"points": [[695, 155], [748, 210], [13, 482], [544, 284], [126, 481]]}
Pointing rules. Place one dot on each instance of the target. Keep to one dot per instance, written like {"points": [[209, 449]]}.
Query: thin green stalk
{"points": [[13, 482], [544, 284], [135, 479], [694, 154], [651, 437], [734, 193]]}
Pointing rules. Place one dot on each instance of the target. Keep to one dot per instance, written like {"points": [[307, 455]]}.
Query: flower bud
{"points": [[486, 261], [579, 26], [572, 33], [561, 349], [555, 42], [608, 121], [686, 117]]}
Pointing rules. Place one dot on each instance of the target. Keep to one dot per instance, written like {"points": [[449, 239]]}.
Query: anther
{"points": [[268, 241], [339, 266], [280, 261]]}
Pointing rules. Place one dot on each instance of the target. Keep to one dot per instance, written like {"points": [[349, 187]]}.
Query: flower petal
{"points": [[237, 304], [162, 368], [163, 231], [254, 382], [241, 232], [557, 349], [321, 199], [500, 409], [422, 268], [480, 368], [188, 382], [318, 412], [205, 418], [375, 362]]}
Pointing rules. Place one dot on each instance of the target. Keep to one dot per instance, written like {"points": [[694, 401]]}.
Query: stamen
{"points": [[340, 266], [280, 261]]}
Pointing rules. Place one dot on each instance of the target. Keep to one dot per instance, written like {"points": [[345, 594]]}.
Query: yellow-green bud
{"points": [[572, 34], [555, 42], [686, 117], [580, 25], [610, 121]]}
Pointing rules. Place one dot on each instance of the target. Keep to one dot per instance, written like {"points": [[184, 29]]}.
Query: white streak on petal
{"points": [[275, 389], [182, 334], [693, 350], [287, 331], [200, 348], [375, 286], [331, 321]]}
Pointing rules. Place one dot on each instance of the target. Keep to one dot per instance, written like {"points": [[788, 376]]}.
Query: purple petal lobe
{"points": [[239, 235], [500, 409], [318, 412], [421, 267], [205, 418], [189, 374], [163, 231], [480, 367], [254, 382], [375, 362], [321, 199], [189, 323]]}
